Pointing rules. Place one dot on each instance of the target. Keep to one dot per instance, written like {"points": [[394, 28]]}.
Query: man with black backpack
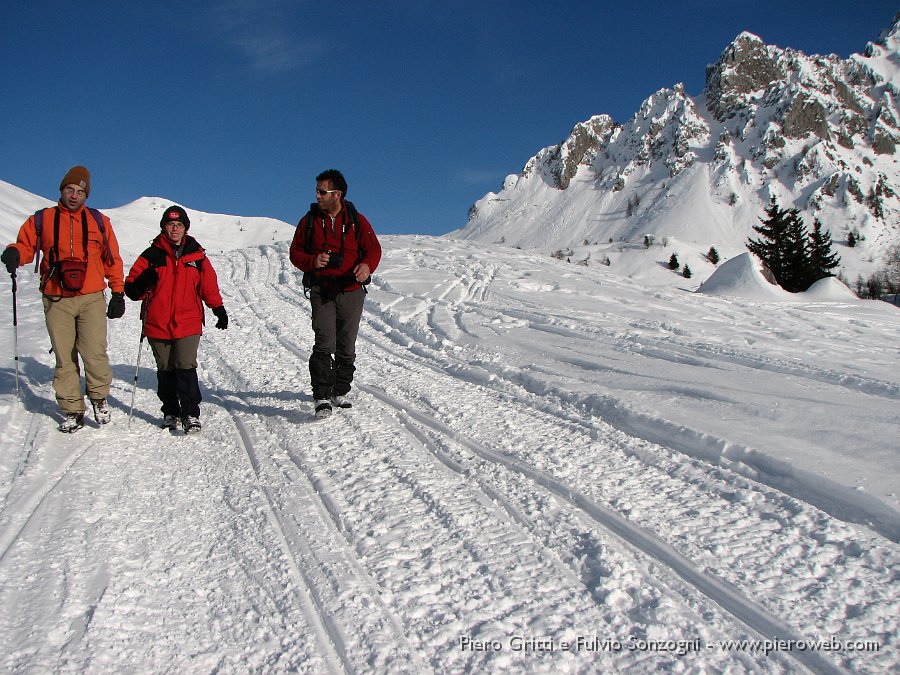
{"points": [[337, 250], [80, 256]]}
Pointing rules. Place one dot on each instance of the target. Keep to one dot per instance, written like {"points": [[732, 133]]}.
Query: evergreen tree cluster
{"points": [[796, 257]]}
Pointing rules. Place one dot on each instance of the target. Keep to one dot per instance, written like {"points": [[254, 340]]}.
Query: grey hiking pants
{"points": [[335, 322]]}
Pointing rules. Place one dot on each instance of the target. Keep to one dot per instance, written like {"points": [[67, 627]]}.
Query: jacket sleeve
{"points": [[132, 289], [300, 259], [370, 252], [209, 285], [26, 241], [113, 270]]}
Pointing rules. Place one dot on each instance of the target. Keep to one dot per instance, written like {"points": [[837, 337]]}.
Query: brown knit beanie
{"points": [[80, 176]]}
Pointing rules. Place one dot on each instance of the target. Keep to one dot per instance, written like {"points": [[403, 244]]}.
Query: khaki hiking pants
{"points": [[77, 327]]}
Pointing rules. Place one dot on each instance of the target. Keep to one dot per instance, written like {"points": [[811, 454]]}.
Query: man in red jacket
{"points": [[78, 259], [337, 249], [174, 278]]}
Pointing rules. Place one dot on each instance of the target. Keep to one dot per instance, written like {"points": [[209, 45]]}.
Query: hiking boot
{"points": [[341, 402], [170, 422], [323, 408], [191, 425], [102, 413], [72, 423]]}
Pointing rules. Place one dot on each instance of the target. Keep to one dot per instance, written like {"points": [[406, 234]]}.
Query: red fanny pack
{"points": [[72, 272]]}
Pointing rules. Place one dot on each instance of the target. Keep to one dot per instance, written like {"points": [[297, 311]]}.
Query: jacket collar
{"points": [[189, 245]]}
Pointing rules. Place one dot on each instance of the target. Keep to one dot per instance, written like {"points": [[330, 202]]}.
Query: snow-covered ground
{"points": [[547, 467]]}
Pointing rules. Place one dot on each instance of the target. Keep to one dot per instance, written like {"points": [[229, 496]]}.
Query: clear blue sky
{"points": [[234, 107]]}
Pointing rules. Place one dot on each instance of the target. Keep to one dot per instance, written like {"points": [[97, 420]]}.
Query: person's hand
{"points": [[148, 278], [10, 258], [362, 272], [116, 307], [143, 283], [322, 260], [222, 317]]}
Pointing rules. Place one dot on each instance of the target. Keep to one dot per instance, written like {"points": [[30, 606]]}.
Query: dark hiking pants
{"points": [[176, 375], [335, 322]]}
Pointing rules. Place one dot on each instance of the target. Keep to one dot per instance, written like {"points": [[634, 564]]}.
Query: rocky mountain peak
{"points": [[746, 67], [580, 148], [889, 40]]}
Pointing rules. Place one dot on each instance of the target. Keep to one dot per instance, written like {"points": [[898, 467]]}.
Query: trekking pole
{"points": [[137, 369], [15, 330]]}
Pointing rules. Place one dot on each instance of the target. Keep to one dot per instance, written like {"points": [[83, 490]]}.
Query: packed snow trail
{"points": [[467, 514]]}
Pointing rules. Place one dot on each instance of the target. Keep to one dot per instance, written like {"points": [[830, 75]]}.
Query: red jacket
{"points": [[71, 245], [173, 307], [335, 235]]}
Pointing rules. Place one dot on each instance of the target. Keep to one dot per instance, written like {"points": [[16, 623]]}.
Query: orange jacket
{"points": [[71, 232]]}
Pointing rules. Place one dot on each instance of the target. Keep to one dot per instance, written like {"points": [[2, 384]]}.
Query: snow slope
{"points": [[547, 467]]}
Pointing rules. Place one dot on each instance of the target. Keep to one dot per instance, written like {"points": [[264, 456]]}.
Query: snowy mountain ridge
{"points": [[818, 133]]}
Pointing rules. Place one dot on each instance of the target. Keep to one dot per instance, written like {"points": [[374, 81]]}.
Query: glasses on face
{"points": [[73, 191], [320, 191], [175, 225]]}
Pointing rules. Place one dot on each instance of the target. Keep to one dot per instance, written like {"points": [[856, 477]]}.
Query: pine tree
{"points": [[686, 272], [783, 247], [673, 262], [774, 232], [821, 258], [713, 255], [797, 275]]}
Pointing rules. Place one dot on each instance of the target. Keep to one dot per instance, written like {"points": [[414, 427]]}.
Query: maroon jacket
{"points": [[335, 235], [173, 307]]}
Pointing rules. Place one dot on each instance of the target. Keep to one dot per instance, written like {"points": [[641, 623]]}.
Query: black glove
{"points": [[116, 306], [10, 258], [143, 283], [222, 317]]}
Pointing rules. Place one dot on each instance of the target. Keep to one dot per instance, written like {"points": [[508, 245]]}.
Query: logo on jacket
{"points": [[193, 263]]}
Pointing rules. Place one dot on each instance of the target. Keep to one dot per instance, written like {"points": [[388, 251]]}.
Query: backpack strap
{"points": [[54, 252], [39, 227], [311, 216], [107, 251]]}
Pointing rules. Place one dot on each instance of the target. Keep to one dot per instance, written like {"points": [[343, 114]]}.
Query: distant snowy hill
{"points": [[819, 133], [137, 223]]}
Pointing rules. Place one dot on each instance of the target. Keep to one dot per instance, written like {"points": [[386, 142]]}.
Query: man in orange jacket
{"points": [[78, 259]]}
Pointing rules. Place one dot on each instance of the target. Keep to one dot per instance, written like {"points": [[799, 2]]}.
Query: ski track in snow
{"points": [[461, 498]]}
